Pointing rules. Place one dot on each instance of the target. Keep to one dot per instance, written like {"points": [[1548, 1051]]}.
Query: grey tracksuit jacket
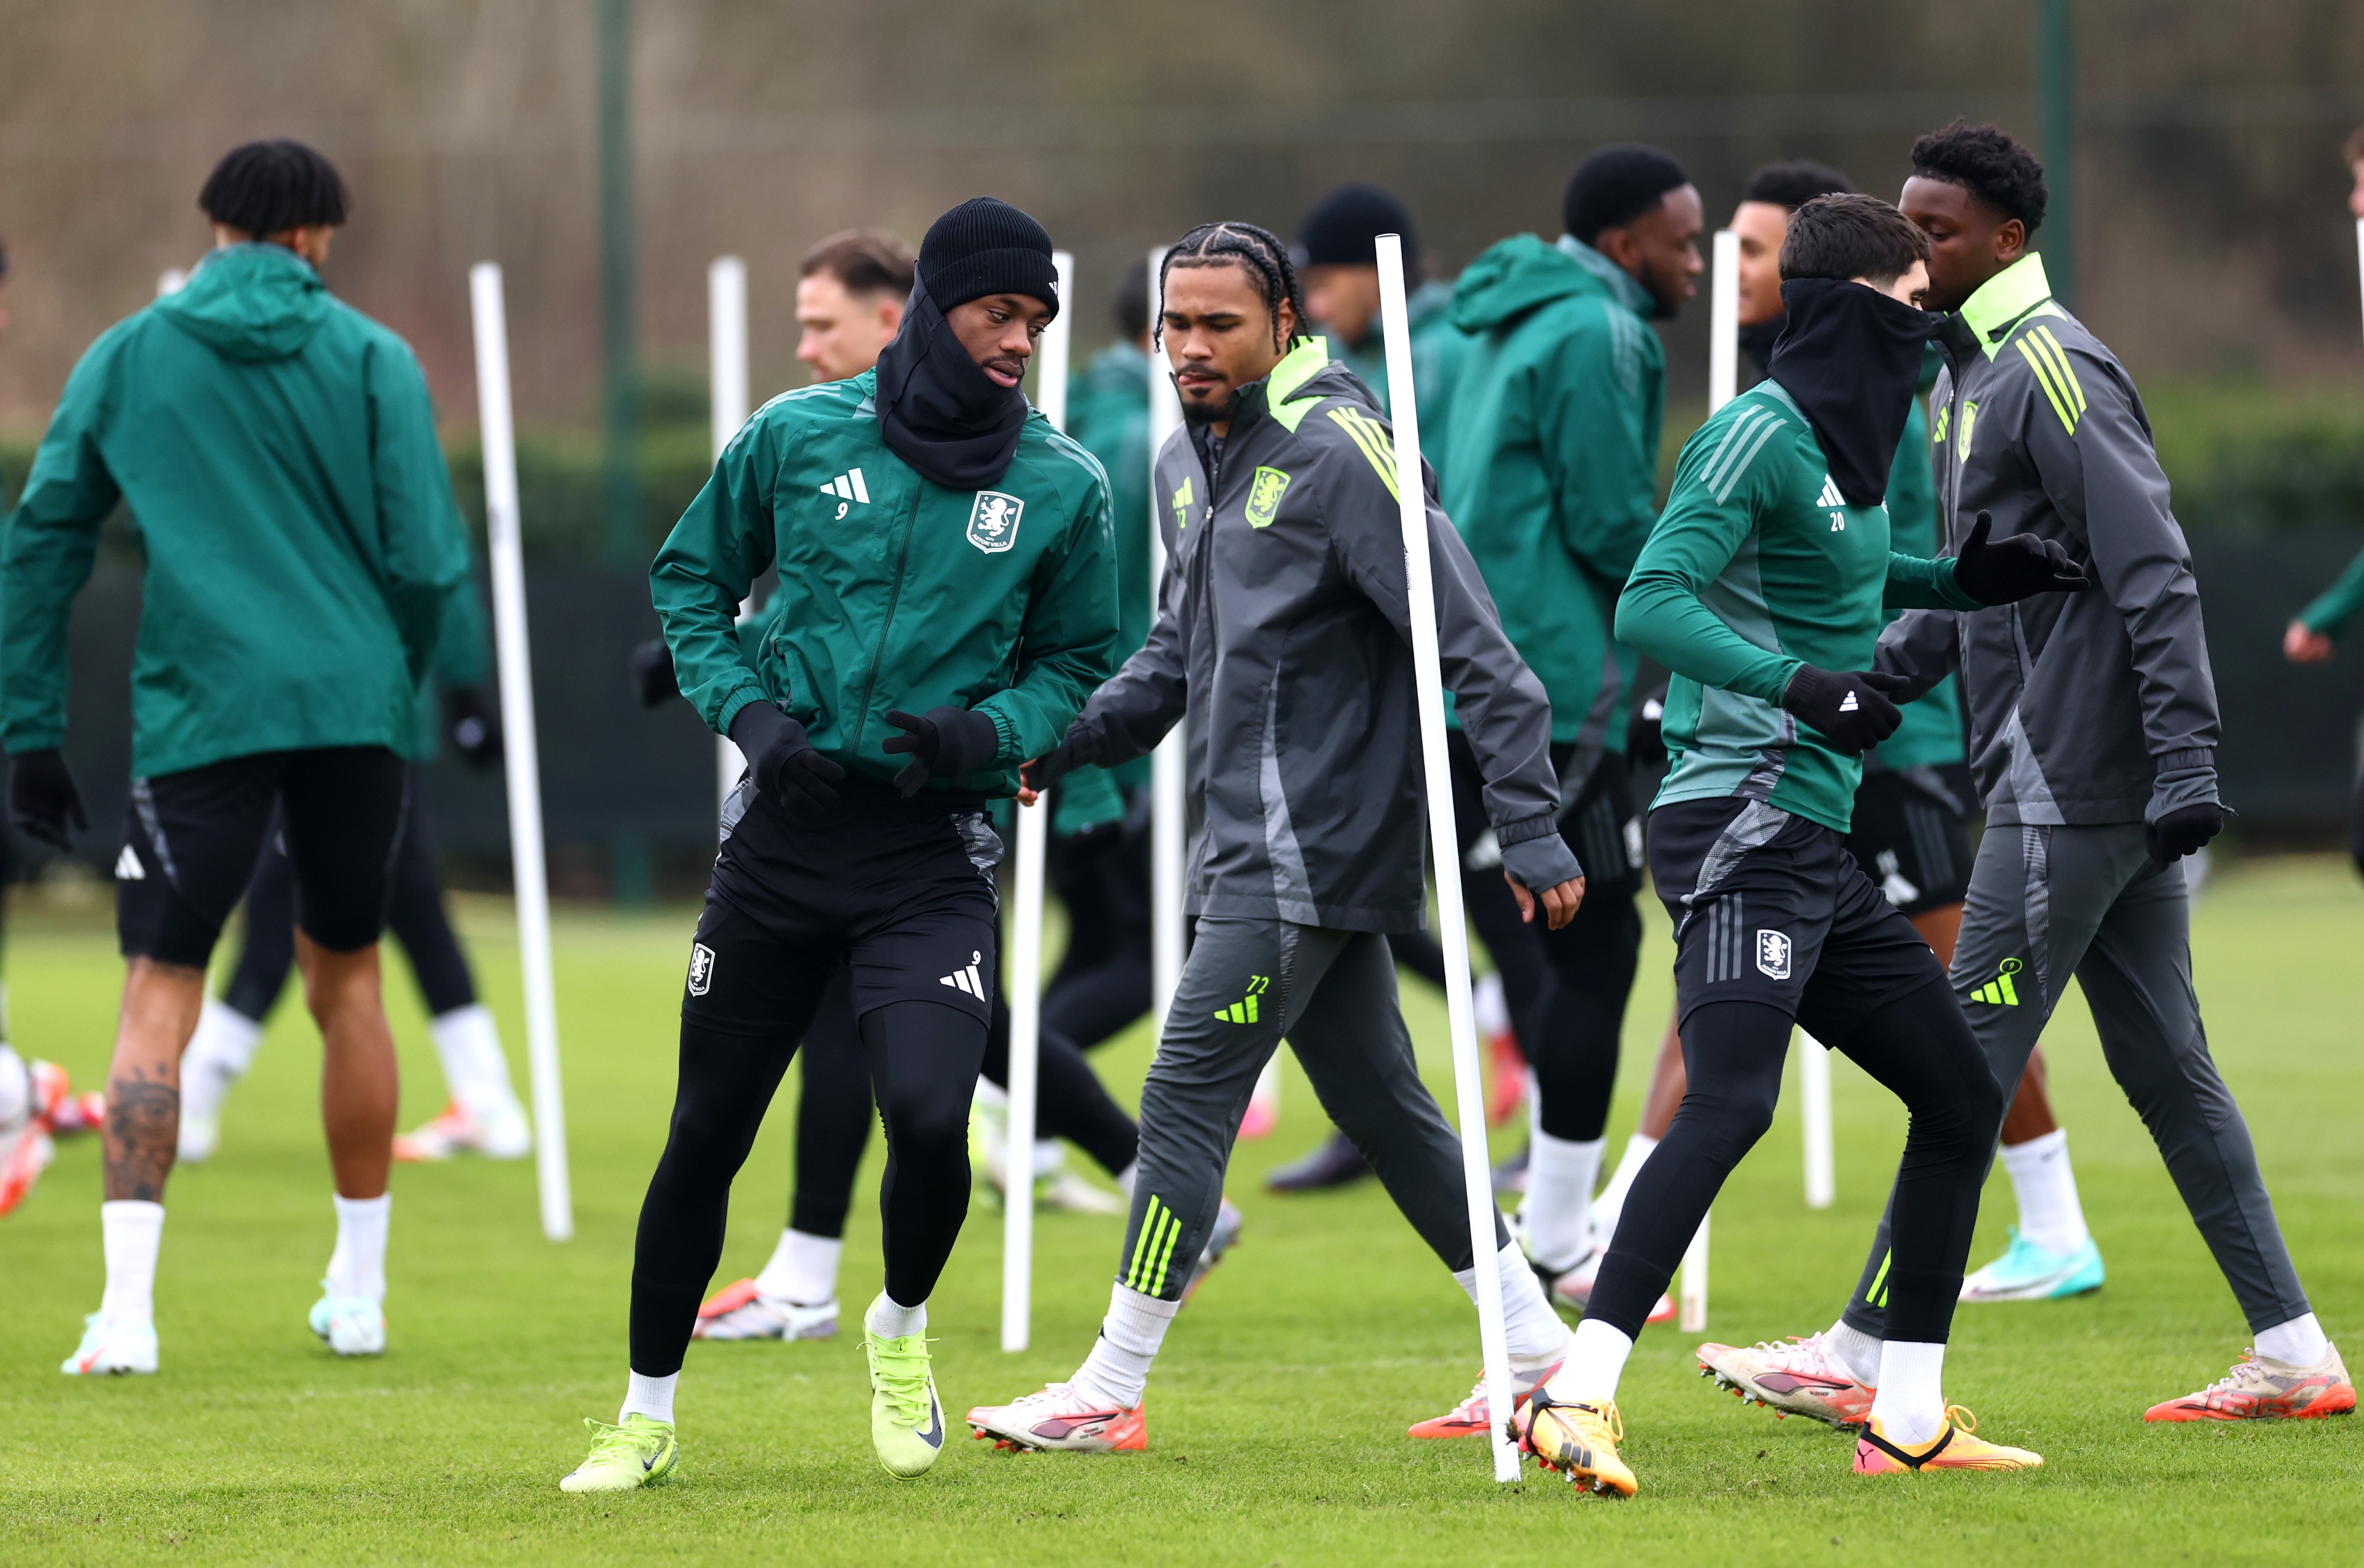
{"points": [[2085, 708], [1282, 633]]}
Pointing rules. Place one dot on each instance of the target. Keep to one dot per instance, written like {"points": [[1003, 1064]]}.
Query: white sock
{"points": [[1911, 1404], [357, 1268], [803, 1268], [1611, 1204], [16, 1090], [1118, 1368], [1534, 1331], [1050, 1154], [1857, 1351], [130, 1231], [650, 1396], [1558, 1207], [1596, 1360], [891, 1319], [1124, 1179], [219, 1053], [475, 1069], [2045, 1185], [2298, 1342]]}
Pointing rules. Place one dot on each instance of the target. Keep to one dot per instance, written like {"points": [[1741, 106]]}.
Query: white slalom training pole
{"points": [[1428, 682], [520, 753], [1814, 1116], [726, 335], [1026, 924], [1167, 763]]}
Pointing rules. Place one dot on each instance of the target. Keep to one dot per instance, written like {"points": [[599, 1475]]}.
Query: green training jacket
{"points": [[1108, 411], [276, 448], [894, 592], [1437, 347], [1551, 470], [1758, 566]]}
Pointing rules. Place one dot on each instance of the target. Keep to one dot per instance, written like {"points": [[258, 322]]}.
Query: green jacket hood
{"points": [[1514, 275], [251, 303]]}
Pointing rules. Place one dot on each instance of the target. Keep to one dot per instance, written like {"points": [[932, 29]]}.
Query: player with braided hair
{"points": [[1281, 633]]}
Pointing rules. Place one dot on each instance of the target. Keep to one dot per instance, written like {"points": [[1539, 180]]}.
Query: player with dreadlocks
{"points": [[1282, 634]]}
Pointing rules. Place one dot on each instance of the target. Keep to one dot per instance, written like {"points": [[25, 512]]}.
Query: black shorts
{"points": [[1912, 834], [900, 892], [191, 840], [1768, 908]]}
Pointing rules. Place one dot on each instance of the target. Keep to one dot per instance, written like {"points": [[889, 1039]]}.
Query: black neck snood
{"points": [[937, 409], [1851, 358]]}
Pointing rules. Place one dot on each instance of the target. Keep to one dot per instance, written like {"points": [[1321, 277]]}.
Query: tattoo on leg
{"points": [[143, 1129]]}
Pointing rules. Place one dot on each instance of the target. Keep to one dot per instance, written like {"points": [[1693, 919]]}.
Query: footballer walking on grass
{"points": [[1282, 635], [1763, 588], [947, 600]]}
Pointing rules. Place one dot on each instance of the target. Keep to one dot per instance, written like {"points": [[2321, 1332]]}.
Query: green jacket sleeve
{"points": [[2330, 613], [1067, 647], [459, 651], [1599, 437], [703, 572], [52, 539], [1661, 612], [1915, 584], [421, 542]]}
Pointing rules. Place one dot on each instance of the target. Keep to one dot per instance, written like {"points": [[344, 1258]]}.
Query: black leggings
{"points": [[833, 1116], [1918, 1047], [416, 916], [922, 1059]]}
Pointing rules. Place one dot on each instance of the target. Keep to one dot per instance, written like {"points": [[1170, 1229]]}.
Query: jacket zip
{"points": [[886, 623]]}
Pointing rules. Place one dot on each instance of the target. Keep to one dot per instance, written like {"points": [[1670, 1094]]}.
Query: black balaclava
{"points": [[937, 409], [1851, 358]]}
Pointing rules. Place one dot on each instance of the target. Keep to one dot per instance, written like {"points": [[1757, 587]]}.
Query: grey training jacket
{"points": [[2085, 708], [1282, 631]]}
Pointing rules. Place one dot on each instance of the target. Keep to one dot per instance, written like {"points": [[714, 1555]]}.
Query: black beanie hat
{"points": [[982, 246], [1343, 229], [1616, 186]]}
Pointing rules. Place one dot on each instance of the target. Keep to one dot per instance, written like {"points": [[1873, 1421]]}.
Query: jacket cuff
{"points": [[734, 703], [1526, 827], [2186, 777], [1004, 735]]}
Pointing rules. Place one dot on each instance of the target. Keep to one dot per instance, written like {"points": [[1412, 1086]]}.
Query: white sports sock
{"points": [[475, 1069], [1534, 1331], [1558, 1207], [1911, 1404], [891, 1319], [1050, 1155], [803, 1268], [650, 1396], [2045, 1185], [1118, 1368], [1611, 1204], [219, 1053], [1857, 1351], [357, 1268], [15, 1091], [130, 1231], [2299, 1343], [1124, 1179], [1596, 1360]]}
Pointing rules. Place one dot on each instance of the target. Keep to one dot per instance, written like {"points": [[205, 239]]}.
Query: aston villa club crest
{"points": [[1773, 954], [1263, 496], [993, 521]]}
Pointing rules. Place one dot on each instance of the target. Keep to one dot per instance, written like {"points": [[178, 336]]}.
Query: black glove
{"points": [[2014, 569], [944, 743], [2182, 830], [651, 664], [1091, 842], [474, 729], [1646, 735], [1850, 708], [1054, 764], [782, 757], [43, 800]]}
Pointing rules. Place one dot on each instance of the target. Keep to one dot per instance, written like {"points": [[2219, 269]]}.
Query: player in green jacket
{"points": [[1338, 235], [1763, 587], [946, 602], [278, 450]]}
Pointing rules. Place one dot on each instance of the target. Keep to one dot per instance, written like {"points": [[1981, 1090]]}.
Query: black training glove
{"points": [[1054, 764], [944, 743], [2014, 569], [1645, 734], [2183, 830], [652, 665], [781, 756], [43, 800], [474, 729], [1850, 708]]}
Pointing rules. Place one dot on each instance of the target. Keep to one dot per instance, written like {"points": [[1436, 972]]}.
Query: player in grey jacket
{"points": [[1282, 636], [2093, 728]]}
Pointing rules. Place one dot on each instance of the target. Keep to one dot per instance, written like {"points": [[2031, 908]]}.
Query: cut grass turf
{"points": [[1276, 1415]]}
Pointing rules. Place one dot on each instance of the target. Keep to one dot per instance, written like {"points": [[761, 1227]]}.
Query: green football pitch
{"points": [[1276, 1415]]}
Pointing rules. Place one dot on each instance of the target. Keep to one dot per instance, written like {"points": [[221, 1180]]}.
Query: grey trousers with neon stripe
{"points": [[2048, 903], [1332, 994]]}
